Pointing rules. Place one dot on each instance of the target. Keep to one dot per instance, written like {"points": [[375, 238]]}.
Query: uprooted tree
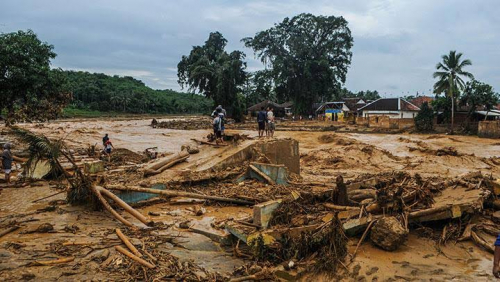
{"points": [[82, 190], [29, 88], [308, 57]]}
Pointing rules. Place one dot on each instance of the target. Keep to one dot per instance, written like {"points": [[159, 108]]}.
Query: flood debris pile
{"points": [[183, 124]]}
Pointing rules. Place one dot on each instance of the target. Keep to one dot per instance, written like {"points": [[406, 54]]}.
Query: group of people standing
{"points": [[219, 115], [266, 122]]}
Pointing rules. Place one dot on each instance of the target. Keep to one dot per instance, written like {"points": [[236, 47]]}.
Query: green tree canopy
{"points": [[30, 90], [449, 74], [479, 96], [424, 121], [308, 57], [210, 70]]}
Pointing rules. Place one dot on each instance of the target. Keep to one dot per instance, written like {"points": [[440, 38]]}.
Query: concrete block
{"points": [[93, 166], [262, 213], [222, 237]]}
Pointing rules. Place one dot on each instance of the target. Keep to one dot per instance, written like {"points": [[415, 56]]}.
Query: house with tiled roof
{"points": [[390, 107], [420, 100]]}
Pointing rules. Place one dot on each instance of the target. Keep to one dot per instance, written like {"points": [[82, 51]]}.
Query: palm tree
{"points": [[449, 73]]}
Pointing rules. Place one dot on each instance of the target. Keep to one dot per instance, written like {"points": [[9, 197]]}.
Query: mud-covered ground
{"points": [[324, 155]]}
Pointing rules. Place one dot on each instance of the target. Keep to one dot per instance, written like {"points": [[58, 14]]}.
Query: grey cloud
{"points": [[397, 43]]}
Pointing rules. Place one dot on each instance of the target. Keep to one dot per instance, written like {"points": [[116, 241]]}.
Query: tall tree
{"points": [[28, 87], [210, 70], [479, 95], [449, 74], [308, 57]]}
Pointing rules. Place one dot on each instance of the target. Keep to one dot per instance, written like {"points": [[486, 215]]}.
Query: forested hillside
{"points": [[101, 92]]}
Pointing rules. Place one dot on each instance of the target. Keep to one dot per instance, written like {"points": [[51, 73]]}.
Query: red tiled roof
{"points": [[419, 101]]}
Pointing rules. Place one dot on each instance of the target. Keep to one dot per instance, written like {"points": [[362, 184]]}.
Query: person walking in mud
{"points": [[7, 160], [261, 121], [271, 125], [218, 125], [105, 139], [108, 148]]}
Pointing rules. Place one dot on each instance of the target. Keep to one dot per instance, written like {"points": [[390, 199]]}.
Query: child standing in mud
{"points": [[7, 161]]}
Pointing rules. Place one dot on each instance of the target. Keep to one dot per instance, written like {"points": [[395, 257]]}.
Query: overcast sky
{"points": [[397, 43]]}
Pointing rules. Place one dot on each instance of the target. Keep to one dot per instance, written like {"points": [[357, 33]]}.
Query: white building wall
{"points": [[391, 114]]}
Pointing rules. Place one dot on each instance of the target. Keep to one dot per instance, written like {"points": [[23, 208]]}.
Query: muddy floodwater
{"points": [[323, 156]]}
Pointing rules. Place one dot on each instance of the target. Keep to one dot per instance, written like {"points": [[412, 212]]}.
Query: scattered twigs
{"points": [[362, 239], [134, 257], [49, 196], [127, 243]]}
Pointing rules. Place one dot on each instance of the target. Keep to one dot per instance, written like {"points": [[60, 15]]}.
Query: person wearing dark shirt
{"points": [[7, 161], [261, 121], [105, 139]]}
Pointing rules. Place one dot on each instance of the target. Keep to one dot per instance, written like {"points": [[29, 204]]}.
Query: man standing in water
{"points": [[261, 121]]}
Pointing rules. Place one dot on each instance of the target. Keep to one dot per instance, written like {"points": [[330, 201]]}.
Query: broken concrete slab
{"points": [[262, 213], [273, 174], [93, 166]]}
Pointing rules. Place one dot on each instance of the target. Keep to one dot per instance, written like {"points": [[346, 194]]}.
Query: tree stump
{"points": [[388, 234]]}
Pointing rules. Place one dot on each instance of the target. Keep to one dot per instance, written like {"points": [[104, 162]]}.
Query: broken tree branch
{"points": [[127, 242], [126, 207], [339, 208], [481, 242], [108, 207], [134, 257], [52, 262]]}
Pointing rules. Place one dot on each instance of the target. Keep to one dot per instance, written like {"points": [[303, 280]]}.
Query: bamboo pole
{"points": [[180, 194], [134, 257], [126, 241], [125, 206]]}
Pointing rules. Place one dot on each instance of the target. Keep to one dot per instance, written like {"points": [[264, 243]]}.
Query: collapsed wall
{"points": [[489, 129]]}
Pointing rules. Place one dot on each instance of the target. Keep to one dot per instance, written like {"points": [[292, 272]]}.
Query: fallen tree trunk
{"points": [[164, 164], [134, 257], [171, 193], [126, 207], [208, 143]]}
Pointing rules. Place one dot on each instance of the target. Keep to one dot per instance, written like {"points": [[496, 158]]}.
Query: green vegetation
{"points": [[424, 121], [218, 75], [30, 90], [477, 94], [307, 57], [97, 92], [449, 73]]}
